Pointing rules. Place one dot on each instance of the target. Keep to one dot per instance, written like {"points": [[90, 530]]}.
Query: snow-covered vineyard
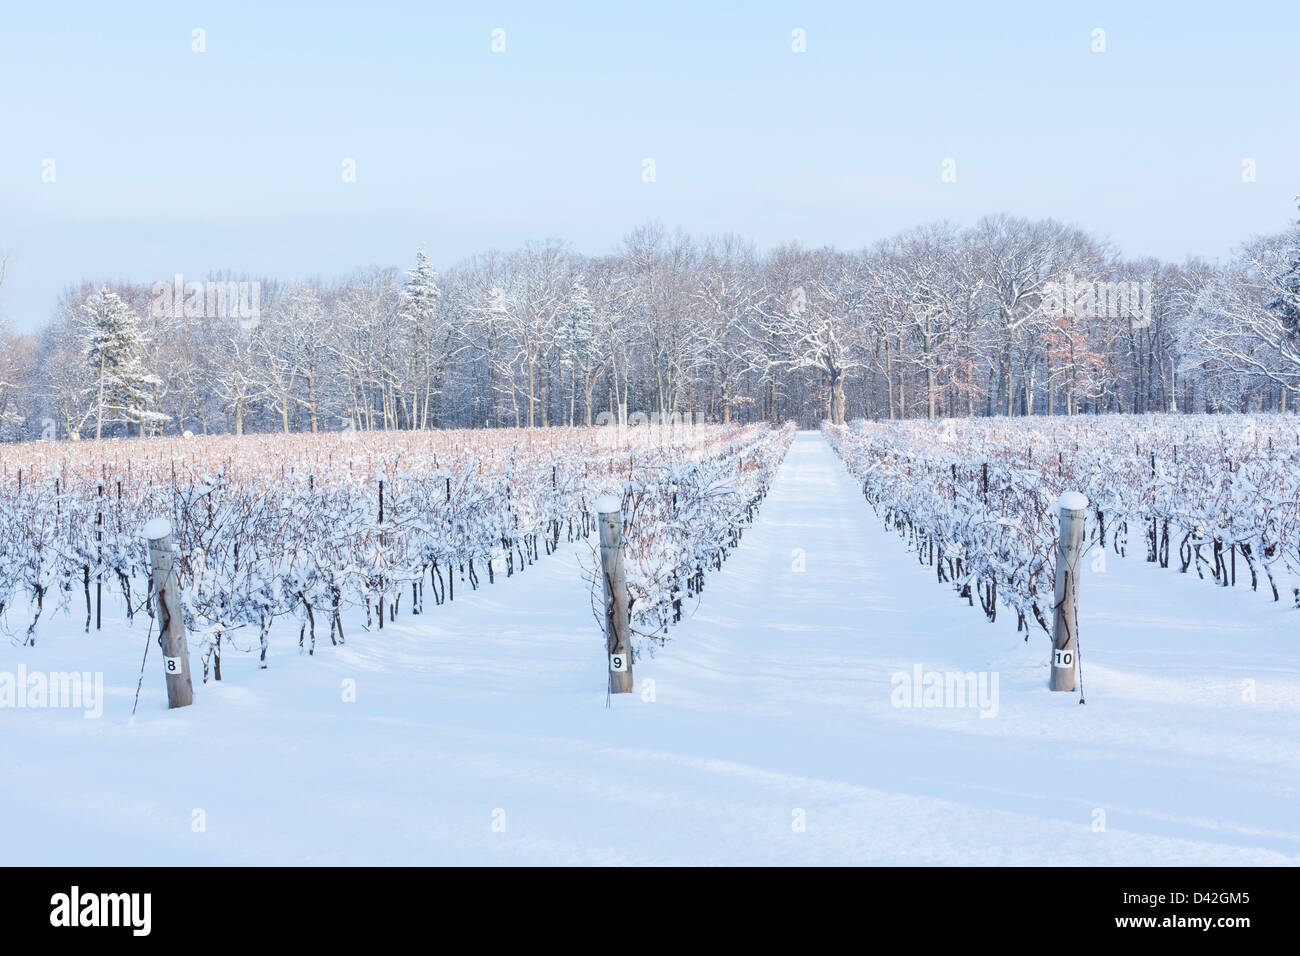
{"points": [[977, 500], [399, 652], [306, 528]]}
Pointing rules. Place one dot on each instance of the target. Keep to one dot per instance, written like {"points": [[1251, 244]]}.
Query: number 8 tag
{"points": [[173, 665]]}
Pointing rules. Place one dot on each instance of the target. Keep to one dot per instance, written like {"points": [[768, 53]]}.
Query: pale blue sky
{"points": [[170, 161]]}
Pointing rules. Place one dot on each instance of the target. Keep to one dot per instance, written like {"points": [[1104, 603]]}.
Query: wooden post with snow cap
{"points": [[167, 602], [618, 624], [1071, 509]]}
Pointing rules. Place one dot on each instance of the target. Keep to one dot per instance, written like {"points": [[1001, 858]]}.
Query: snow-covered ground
{"points": [[480, 733]]}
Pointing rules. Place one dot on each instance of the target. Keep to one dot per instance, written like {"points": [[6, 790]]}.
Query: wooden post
{"points": [[1071, 509], [618, 623], [99, 560], [167, 603]]}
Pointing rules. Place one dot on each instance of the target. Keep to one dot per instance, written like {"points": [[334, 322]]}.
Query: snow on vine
{"points": [[975, 498], [305, 527]]}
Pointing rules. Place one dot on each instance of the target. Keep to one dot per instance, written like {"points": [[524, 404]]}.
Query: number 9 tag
{"points": [[618, 663]]}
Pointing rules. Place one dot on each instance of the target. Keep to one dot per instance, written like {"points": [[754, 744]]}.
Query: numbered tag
{"points": [[172, 665], [618, 663], [1063, 657]]}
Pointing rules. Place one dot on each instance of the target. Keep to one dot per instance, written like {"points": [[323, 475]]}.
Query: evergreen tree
{"points": [[577, 342], [124, 391], [576, 336], [421, 294], [419, 308], [1287, 302]]}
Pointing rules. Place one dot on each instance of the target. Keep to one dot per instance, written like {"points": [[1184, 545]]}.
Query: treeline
{"points": [[1008, 317]]}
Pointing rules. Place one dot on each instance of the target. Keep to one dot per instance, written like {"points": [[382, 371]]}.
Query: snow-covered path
{"points": [[480, 733]]}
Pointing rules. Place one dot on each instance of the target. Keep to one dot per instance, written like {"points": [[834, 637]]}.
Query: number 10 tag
{"points": [[618, 663], [1063, 657]]}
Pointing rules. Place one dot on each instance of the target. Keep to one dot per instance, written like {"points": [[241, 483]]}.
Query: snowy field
{"points": [[765, 731]]}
